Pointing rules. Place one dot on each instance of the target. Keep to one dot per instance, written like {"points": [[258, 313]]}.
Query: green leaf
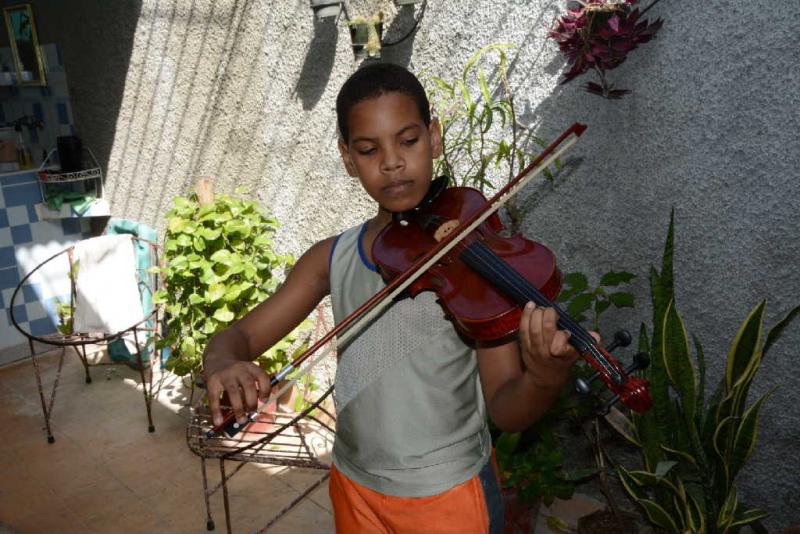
{"points": [[776, 331], [579, 304], [678, 362], [659, 515], [209, 234], [663, 467], [747, 517], [745, 440], [215, 292], [745, 346], [615, 278], [600, 306], [224, 315], [577, 281], [622, 300]]}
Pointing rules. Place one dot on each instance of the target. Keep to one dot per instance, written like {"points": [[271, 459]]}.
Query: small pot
{"points": [[359, 33]]}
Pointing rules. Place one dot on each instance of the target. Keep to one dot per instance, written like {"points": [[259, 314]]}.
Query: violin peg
{"points": [[622, 338]]}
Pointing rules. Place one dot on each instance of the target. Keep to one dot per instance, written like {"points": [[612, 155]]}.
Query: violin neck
{"points": [[499, 273]]}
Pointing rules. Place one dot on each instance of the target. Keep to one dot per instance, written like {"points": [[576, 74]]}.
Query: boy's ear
{"points": [[435, 134], [348, 163]]}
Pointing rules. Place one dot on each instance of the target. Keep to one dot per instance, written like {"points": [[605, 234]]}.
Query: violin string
{"points": [[525, 290], [518, 284]]}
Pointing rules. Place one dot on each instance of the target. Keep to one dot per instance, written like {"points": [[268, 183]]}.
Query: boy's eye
{"points": [[410, 141], [366, 151]]}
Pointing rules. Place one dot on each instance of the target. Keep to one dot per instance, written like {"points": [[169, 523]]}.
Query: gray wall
{"points": [[168, 90]]}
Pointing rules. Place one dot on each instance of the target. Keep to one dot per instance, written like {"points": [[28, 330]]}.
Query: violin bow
{"points": [[375, 304]]}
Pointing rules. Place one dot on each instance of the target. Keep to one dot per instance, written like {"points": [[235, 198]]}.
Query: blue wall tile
{"points": [[21, 234], [3, 218], [9, 277], [32, 216], [41, 327], [30, 292], [20, 314], [21, 178], [7, 259], [22, 194]]}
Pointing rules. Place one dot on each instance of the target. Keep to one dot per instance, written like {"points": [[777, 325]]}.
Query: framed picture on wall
{"points": [[24, 44]]}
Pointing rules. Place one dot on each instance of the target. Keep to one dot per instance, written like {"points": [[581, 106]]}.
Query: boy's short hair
{"points": [[373, 80]]}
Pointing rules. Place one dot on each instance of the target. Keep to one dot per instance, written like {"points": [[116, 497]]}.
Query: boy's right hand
{"points": [[244, 382]]}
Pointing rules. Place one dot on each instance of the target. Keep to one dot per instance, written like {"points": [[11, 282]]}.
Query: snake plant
{"points": [[693, 447]]}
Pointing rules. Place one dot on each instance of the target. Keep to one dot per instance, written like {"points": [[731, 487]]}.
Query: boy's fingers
{"points": [[524, 326], [213, 403], [263, 381]]}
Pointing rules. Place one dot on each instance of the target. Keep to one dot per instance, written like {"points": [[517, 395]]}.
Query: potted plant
{"points": [[366, 33], [693, 447], [219, 263], [598, 35]]}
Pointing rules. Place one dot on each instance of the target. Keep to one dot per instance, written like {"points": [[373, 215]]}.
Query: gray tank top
{"points": [[411, 419]]}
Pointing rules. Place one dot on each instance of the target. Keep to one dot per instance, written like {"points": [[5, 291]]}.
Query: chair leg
{"points": [[209, 520], [85, 362], [147, 385], [47, 408], [225, 495], [296, 501]]}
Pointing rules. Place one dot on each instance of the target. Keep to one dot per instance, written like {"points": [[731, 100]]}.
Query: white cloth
{"points": [[107, 293]]}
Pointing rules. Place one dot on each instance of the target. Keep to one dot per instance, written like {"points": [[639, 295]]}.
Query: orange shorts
{"points": [[472, 507]]}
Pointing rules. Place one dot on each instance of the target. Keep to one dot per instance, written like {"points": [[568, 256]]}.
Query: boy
{"points": [[412, 452]]}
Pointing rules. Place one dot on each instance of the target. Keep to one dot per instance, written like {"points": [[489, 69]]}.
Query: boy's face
{"points": [[391, 151]]}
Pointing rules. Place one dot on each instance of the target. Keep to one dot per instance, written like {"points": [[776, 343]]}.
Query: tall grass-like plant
{"points": [[482, 137], [693, 447]]}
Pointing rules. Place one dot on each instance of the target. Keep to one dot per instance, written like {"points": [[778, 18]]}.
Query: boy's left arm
{"points": [[522, 379]]}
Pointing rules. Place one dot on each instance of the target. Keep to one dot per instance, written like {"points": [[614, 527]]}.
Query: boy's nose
{"points": [[391, 161]]}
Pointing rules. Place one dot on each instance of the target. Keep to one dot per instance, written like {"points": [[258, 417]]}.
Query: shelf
{"points": [[62, 177]]}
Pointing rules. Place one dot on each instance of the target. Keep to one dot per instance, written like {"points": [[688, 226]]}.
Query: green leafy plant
{"points": [[580, 297], [65, 312], [693, 447], [535, 467], [220, 263]]}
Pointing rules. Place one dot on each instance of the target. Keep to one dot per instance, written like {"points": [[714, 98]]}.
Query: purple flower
{"points": [[598, 35]]}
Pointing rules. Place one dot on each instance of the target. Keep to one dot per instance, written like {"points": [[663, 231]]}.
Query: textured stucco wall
{"points": [[168, 90]]}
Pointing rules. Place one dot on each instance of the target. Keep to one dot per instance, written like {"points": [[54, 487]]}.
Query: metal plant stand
{"points": [[294, 440]]}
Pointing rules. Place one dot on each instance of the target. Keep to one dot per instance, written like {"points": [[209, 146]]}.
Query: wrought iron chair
{"points": [[141, 333], [301, 439]]}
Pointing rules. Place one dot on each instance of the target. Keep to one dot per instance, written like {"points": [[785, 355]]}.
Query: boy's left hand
{"points": [[546, 351]]}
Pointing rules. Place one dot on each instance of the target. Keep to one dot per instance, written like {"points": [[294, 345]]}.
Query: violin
{"points": [[459, 229], [483, 281]]}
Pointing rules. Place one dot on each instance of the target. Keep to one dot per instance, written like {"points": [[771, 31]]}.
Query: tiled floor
{"points": [[105, 473]]}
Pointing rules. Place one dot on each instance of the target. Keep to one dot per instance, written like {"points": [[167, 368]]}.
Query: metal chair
{"points": [[143, 333], [301, 439]]}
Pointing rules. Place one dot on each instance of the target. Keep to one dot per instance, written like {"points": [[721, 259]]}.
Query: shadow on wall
{"points": [[318, 64]]}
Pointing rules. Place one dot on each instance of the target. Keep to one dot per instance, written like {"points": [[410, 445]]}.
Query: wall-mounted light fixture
{"points": [[326, 8], [366, 32]]}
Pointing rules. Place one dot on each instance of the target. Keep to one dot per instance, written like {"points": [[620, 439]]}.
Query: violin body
{"points": [[484, 280], [477, 309]]}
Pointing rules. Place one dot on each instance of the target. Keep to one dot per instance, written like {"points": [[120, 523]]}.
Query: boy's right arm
{"points": [[228, 359]]}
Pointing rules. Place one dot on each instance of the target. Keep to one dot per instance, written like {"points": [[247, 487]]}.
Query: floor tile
{"points": [[107, 473]]}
